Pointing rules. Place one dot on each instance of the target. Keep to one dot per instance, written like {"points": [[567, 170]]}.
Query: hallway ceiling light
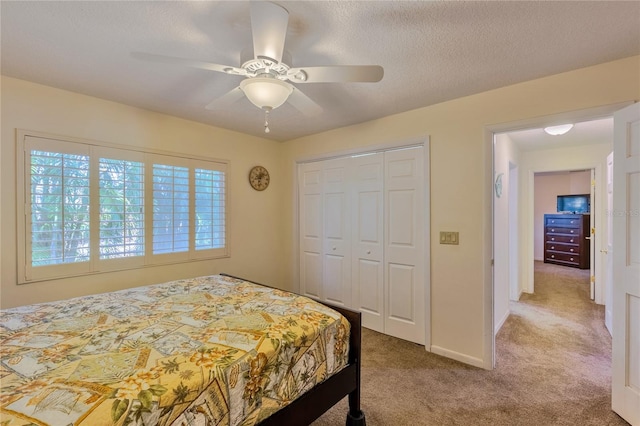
{"points": [[558, 130]]}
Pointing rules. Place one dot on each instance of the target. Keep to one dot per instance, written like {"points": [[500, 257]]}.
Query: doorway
{"points": [[523, 155], [624, 359]]}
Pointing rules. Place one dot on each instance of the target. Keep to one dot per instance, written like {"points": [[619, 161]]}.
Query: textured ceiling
{"points": [[431, 52]]}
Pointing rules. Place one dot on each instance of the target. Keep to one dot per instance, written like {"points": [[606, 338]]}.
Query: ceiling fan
{"points": [[268, 73]]}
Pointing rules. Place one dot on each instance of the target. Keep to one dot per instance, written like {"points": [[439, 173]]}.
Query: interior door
{"points": [[310, 230], [608, 251], [337, 231], [367, 236], [626, 265], [404, 244]]}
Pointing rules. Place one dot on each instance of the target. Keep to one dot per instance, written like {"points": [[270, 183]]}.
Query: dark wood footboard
{"points": [[316, 401]]}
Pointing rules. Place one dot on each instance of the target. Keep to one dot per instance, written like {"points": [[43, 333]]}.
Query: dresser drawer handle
{"points": [[553, 256], [572, 221], [571, 250], [572, 259], [553, 230], [553, 239], [571, 240], [553, 247], [553, 221], [572, 231]]}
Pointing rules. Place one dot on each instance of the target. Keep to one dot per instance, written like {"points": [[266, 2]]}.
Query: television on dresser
{"points": [[574, 203]]}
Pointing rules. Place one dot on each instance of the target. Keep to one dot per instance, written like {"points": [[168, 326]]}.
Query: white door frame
{"points": [[408, 143], [526, 252]]}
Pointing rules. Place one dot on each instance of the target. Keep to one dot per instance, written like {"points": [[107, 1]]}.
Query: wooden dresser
{"points": [[565, 240]]}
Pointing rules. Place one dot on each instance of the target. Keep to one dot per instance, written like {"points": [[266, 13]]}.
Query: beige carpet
{"points": [[553, 368]]}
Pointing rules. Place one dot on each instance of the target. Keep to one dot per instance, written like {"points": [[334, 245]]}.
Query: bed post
{"points": [[355, 416]]}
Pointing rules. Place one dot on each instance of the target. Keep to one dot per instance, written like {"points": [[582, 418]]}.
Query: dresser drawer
{"points": [[563, 257], [563, 248], [564, 222], [555, 230], [571, 239]]}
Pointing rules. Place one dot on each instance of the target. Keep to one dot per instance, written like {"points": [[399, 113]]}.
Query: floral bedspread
{"points": [[204, 351]]}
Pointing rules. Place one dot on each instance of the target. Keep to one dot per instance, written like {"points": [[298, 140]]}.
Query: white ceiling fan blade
{"points": [[303, 103], [269, 28], [188, 62], [226, 100], [337, 74]]}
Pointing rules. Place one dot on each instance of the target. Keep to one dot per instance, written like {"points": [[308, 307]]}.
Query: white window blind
{"points": [[210, 209], [170, 209], [59, 207], [92, 207], [121, 185]]}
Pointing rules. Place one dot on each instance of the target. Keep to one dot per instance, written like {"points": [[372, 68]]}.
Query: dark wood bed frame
{"points": [[316, 401]]}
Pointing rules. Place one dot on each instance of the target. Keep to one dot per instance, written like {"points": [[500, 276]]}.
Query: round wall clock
{"points": [[259, 178]]}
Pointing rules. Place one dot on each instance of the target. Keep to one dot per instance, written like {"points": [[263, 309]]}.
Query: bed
{"points": [[214, 350]]}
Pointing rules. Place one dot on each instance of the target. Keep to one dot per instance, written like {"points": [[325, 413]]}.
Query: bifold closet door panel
{"points": [[362, 237], [367, 229], [337, 231], [310, 229], [404, 244]]}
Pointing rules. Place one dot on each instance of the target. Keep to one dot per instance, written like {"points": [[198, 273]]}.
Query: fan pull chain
{"points": [[266, 120]]}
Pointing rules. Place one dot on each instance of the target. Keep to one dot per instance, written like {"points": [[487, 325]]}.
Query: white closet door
{"points": [[404, 244], [310, 229], [367, 236], [337, 232]]}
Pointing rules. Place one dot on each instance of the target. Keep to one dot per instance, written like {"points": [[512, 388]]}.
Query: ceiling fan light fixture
{"points": [[265, 92], [558, 130]]}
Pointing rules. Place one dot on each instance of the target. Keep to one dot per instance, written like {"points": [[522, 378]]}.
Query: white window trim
{"points": [[27, 274]]}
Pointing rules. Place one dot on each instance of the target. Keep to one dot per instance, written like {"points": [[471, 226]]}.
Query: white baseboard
{"points": [[466, 359], [500, 323]]}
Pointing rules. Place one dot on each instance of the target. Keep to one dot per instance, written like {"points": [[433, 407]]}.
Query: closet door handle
{"points": [[333, 248], [368, 251]]}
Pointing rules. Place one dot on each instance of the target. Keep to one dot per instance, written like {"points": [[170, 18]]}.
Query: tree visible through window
{"points": [[121, 208], [210, 208], [170, 209], [88, 208], [59, 208]]}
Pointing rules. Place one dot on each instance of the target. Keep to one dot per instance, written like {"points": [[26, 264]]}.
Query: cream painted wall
{"points": [[461, 186], [505, 153], [580, 181], [255, 224], [263, 227], [547, 186]]}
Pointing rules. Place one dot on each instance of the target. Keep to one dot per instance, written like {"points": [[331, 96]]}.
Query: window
{"points": [[92, 208], [170, 209], [121, 185], [59, 207]]}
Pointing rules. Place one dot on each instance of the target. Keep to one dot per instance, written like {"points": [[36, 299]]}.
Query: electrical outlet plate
{"points": [[447, 237]]}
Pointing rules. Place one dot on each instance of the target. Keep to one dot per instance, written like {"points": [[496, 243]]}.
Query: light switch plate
{"points": [[448, 237]]}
